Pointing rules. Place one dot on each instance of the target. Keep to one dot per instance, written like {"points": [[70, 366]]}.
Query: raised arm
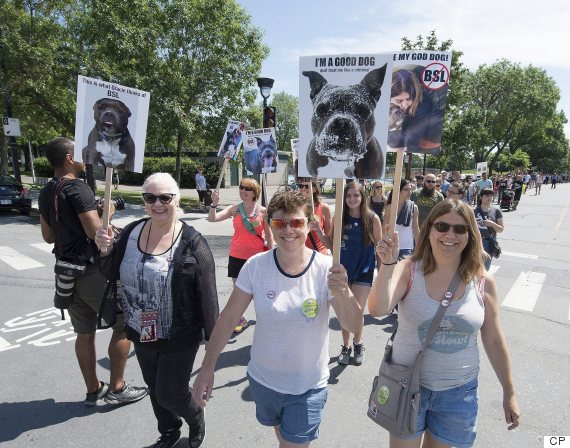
{"points": [[228, 212]]}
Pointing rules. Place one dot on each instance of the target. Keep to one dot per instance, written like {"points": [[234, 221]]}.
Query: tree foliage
{"points": [[287, 119]]}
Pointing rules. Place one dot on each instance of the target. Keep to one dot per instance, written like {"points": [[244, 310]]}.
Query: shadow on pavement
{"points": [[19, 418]]}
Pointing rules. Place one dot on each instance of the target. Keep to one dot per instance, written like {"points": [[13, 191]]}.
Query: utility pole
{"points": [[8, 111]]}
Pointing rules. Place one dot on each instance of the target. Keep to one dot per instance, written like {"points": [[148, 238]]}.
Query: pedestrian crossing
{"points": [[522, 294]]}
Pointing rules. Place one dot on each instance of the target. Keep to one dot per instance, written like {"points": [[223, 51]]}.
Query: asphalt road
{"points": [[41, 389]]}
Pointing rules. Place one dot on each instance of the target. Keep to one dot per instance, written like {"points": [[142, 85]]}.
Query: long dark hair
{"points": [[366, 215]]}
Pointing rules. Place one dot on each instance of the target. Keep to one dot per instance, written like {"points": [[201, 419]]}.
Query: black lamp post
{"points": [[265, 86]]}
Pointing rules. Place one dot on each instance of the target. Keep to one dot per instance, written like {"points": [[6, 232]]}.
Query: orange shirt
{"points": [[320, 247], [245, 244]]}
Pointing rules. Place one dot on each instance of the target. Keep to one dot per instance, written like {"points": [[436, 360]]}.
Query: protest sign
{"points": [[232, 140], [110, 124], [343, 105], [419, 87], [260, 151], [481, 168]]}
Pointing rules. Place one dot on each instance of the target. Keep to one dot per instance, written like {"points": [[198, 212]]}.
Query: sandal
{"points": [[242, 325]]}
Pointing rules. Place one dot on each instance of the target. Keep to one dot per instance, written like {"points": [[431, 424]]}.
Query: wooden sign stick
{"points": [[396, 192], [222, 172], [338, 210], [107, 199]]}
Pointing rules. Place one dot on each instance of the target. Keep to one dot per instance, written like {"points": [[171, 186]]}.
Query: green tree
{"points": [[287, 119]]}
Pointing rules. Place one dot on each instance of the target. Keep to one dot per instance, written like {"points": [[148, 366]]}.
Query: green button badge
{"points": [[310, 308], [383, 395]]}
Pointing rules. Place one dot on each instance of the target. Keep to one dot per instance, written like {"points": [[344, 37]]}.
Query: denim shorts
{"points": [[364, 279], [450, 415], [298, 416]]}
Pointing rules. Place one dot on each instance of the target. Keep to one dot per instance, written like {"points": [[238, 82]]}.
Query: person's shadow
{"points": [[19, 418]]}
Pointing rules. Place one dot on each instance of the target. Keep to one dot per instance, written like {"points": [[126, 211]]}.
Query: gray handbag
{"points": [[395, 399]]}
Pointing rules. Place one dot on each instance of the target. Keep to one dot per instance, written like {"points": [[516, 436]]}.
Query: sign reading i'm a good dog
{"points": [[229, 148], [343, 105], [260, 151], [420, 83], [110, 125]]}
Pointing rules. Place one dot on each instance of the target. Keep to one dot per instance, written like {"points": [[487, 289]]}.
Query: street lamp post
{"points": [[265, 85]]}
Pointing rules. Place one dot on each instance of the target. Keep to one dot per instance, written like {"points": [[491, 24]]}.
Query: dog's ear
{"points": [[271, 138], [373, 81], [317, 82], [259, 141]]}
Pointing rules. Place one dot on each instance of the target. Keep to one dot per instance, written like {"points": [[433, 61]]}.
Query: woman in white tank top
{"points": [[450, 242]]}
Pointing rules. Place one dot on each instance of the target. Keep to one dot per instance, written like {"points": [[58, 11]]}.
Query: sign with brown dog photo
{"points": [[110, 126], [343, 105]]}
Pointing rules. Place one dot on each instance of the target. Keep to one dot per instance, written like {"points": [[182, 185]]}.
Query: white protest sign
{"points": [[260, 151], [343, 105], [481, 168], [420, 83], [232, 140], [11, 127], [111, 122]]}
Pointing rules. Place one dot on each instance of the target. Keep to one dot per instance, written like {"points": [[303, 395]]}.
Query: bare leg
{"points": [[399, 443], [361, 294], [285, 443], [432, 443], [85, 353], [119, 347]]}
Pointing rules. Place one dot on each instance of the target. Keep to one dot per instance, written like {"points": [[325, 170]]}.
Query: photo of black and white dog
{"points": [[343, 125], [110, 143]]}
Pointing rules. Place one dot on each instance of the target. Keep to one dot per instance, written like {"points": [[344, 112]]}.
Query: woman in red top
{"points": [[251, 234], [319, 236]]}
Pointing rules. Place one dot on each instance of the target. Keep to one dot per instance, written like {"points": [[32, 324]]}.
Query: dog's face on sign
{"points": [[343, 116], [267, 153], [111, 117]]}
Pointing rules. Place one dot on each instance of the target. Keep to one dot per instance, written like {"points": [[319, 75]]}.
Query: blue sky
{"points": [[523, 31]]}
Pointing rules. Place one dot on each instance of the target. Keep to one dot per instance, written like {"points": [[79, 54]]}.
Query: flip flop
{"points": [[243, 324]]}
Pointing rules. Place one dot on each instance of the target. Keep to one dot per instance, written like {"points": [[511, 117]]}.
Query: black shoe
{"points": [[167, 440], [198, 431]]}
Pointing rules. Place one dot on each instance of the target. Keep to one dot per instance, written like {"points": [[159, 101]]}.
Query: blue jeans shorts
{"points": [[364, 279], [450, 415], [298, 416]]}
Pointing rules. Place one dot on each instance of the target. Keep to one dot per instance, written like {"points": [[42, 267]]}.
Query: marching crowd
{"points": [[154, 284]]}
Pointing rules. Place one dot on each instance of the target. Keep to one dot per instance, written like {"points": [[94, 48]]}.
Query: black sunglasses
{"points": [[443, 227], [377, 187], [243, 187], [302, 186], [165, 198], [429, 181]]}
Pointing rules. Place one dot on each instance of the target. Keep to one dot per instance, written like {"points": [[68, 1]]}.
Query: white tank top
{"points": [[452, 358]]}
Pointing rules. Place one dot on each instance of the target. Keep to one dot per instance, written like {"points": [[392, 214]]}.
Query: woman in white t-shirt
{"points": [[291, 288]]}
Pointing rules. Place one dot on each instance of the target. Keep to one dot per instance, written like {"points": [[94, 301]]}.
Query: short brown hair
{"points": [[471, 264], [289, 202], [252, 183]]}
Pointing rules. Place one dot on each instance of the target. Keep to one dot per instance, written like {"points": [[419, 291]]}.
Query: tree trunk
{"points": [[3, 154], [179, 142]]}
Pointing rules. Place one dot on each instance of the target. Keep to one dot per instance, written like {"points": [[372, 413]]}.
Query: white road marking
{"points": [[524, 293], [5, 345], [17, 260], [43, 246], [561, 216], [493, 269], [33, 335], [516, 254]]}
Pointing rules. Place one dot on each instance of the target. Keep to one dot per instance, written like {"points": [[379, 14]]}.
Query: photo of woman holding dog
{"points": [[361, 228], [292, 288], [449, 244], [251, 234]]}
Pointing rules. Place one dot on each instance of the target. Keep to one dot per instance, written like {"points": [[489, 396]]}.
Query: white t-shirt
{"points": [[290, 350]]}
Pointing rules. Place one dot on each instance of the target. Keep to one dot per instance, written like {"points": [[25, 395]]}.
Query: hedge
{"points": [[154, 165]]}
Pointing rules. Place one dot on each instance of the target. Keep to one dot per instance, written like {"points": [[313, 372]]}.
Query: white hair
{"points": [[166, 181]]}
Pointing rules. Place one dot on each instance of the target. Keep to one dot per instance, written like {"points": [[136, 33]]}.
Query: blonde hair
{"points": [[252, 183], [471, 264]]}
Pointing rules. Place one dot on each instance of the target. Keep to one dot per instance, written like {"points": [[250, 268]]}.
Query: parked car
{"points": [[14, 196]]}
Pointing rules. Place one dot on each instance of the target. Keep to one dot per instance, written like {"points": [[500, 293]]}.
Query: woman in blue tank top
{"points": [[361, 228]]}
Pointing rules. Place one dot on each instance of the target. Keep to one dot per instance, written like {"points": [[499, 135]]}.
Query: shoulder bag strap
{"points": [[246, 223], [56, 192], [442, 309]]}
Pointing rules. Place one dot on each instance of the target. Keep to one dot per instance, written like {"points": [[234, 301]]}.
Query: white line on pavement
{"points": [[561, 216], [43, 246], [5, 345], [17, 260], [524, 293], [493, 269], [516, 254]]}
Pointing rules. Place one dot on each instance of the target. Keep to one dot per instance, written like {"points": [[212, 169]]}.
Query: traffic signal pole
{"points": [[8, 111]]}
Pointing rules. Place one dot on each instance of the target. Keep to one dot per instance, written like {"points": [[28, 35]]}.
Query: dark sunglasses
{"points": [[165, 198], [295, 223], [243, 187], [378, 187], [429, 181], [452, 192], [302, 186], [443, 227]]}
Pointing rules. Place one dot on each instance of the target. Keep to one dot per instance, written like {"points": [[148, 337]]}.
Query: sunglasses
{"points": [[303, 186], [164, 198], [452, 192], [443, 227], [429, 181], [295, 223], [243, 187], [378, 187]]}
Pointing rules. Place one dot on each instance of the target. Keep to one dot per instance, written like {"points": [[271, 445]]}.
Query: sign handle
{"points": [[312, 200], [338, 211], [396, 191], [222, 172], [107, 199]]}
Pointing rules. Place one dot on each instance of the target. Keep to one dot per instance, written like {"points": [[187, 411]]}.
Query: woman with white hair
{"points": [[167, 274]]}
